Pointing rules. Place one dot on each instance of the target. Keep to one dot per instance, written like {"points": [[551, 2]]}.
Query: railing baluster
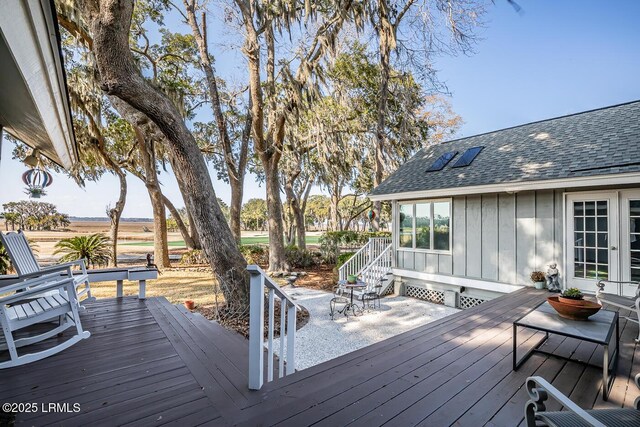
{"points": [[271, 328], [291, 340], [256, 329], [283, 311]]}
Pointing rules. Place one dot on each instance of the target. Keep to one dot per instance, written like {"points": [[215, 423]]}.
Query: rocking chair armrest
{"points": [[34, 286], [66, 266], [539, 389]]}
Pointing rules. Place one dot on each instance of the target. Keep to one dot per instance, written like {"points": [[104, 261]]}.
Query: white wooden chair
{"points": [[26, 264], [26, 303], [618, 300]]}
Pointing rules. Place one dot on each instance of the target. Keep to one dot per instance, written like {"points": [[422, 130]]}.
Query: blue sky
{"points": [[553, 58]]}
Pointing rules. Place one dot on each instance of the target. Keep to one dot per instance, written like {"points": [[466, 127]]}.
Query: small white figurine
{"points": [[553, 284]]}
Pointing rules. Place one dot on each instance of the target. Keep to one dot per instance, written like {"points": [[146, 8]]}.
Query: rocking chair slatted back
{"points": [[20, 252]]}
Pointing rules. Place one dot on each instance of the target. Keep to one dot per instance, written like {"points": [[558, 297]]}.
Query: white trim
{"points": [[514, 187], [457, 281]]}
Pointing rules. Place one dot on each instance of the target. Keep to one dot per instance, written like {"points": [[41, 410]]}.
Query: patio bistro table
{"points": [[598, 329], [351, 306]]}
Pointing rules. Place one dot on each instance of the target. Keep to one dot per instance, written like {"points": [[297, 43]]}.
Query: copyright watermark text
{"points": [[32, 407]]}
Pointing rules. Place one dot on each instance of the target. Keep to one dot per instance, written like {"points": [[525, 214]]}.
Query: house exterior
{"points": [[564, 190], [34, 106]]}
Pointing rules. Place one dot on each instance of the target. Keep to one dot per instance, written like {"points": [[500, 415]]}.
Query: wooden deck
{"points": [[149, 363]]}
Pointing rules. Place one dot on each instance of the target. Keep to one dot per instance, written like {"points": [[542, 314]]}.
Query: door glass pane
{"points": [[602, 224], [423, 225], [635, 274], [634, 206], [603, 256], [441, 225], [602, 208], [406, 226], [578, 270], [634, 239], [591, 252], [634, 225], [635, 259]]}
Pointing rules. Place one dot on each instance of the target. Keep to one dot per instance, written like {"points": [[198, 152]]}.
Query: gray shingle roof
{"points": [[558, 148]]}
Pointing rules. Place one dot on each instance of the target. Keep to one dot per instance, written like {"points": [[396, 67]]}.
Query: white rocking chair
{"points": [[618, 300], [26, 303], [26, 265]]}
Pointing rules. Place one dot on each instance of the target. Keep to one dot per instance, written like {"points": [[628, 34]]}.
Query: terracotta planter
{"points": [[571, 301], [189, 304], [574, 312]]}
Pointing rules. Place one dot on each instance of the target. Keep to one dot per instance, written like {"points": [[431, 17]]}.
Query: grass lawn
{"points": [[175, 285], [249, 240]]}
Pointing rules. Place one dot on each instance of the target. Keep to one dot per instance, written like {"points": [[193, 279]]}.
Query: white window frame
{"points": [[413, 248]]}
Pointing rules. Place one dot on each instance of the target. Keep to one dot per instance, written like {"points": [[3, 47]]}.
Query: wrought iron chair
{"points": [[27, 267], [339, 297], [26, 303], [574, 416], [618, 300]]}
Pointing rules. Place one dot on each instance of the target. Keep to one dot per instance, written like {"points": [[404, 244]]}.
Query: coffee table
{"points": [[598, 329]]}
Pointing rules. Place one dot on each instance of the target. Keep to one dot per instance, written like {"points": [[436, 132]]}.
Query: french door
{"points": [[592, 239], [630, 238]]}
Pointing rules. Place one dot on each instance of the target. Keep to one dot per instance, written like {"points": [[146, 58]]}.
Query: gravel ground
{"points": [[323, 339]]}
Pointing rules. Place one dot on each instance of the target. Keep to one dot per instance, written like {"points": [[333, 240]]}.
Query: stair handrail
{"points": [[288, 308], [376, 263], [363, 257]]}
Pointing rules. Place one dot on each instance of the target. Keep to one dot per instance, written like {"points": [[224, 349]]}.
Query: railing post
{"points": [[256, 328], [291, 339]]}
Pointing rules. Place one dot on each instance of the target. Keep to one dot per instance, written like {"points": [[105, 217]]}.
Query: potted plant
{"points": [[572, 296], [538, 279], [352, 278]]}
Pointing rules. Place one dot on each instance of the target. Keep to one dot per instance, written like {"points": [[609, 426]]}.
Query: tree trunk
{"points": [[235, 208], [184, 231], [384, 41], [110, 22], [115, 213], [277, 261], [160, 240]]}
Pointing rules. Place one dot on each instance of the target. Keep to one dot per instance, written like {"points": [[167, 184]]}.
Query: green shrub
{"points": [[255, 254], [299, 258], [194, 256], [342, 258], [94, 248], [332, 242]]}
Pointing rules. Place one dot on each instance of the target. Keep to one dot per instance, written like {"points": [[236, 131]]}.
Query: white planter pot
{"points": [[539, 285]]}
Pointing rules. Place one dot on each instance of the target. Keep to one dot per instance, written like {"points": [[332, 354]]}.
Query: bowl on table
{"points": [[574, 311]]}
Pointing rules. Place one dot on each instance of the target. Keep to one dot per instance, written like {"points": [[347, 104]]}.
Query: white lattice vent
{"points": [[425, 294], [468, 302]]}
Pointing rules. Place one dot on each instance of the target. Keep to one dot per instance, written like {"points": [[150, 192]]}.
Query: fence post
{"points": [[256, 327], [291, 339]]}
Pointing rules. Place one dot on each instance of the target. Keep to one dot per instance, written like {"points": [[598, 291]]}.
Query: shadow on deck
{"points": [[151, 363]]}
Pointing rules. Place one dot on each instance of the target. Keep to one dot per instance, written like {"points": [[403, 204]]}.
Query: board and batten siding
{"points": [[498, 238]]}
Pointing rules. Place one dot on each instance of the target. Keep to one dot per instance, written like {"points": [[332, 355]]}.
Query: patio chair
{"points": [[620, 301], [27, 267], [24, 305], [339, 297], [574, 416]]}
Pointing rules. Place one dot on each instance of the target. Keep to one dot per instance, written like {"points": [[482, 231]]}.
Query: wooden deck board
{"points": [[151, 363]]}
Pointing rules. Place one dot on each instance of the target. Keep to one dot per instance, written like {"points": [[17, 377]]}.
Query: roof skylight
{"points": [[468, 157], [442, 161]]}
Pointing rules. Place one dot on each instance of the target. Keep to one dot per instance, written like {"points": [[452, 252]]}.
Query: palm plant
{"points": [[5, 262], [93, 248]]}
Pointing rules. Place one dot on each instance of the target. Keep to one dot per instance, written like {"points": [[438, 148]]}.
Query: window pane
{"points": [[635, 274], [634, 225], [634, 207], [406, 226], [591, 271], [579, 254], [578, 209], [635, 259], [579, 224], [590, 224], [590, 239], [579, 239], [423, 225], [590, 255], [602, 240], [603, 256], [590, 208], [441, 225]]}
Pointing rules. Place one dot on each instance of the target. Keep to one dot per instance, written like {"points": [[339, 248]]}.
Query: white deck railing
{"points": [[361, 259], [288, 308]]}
